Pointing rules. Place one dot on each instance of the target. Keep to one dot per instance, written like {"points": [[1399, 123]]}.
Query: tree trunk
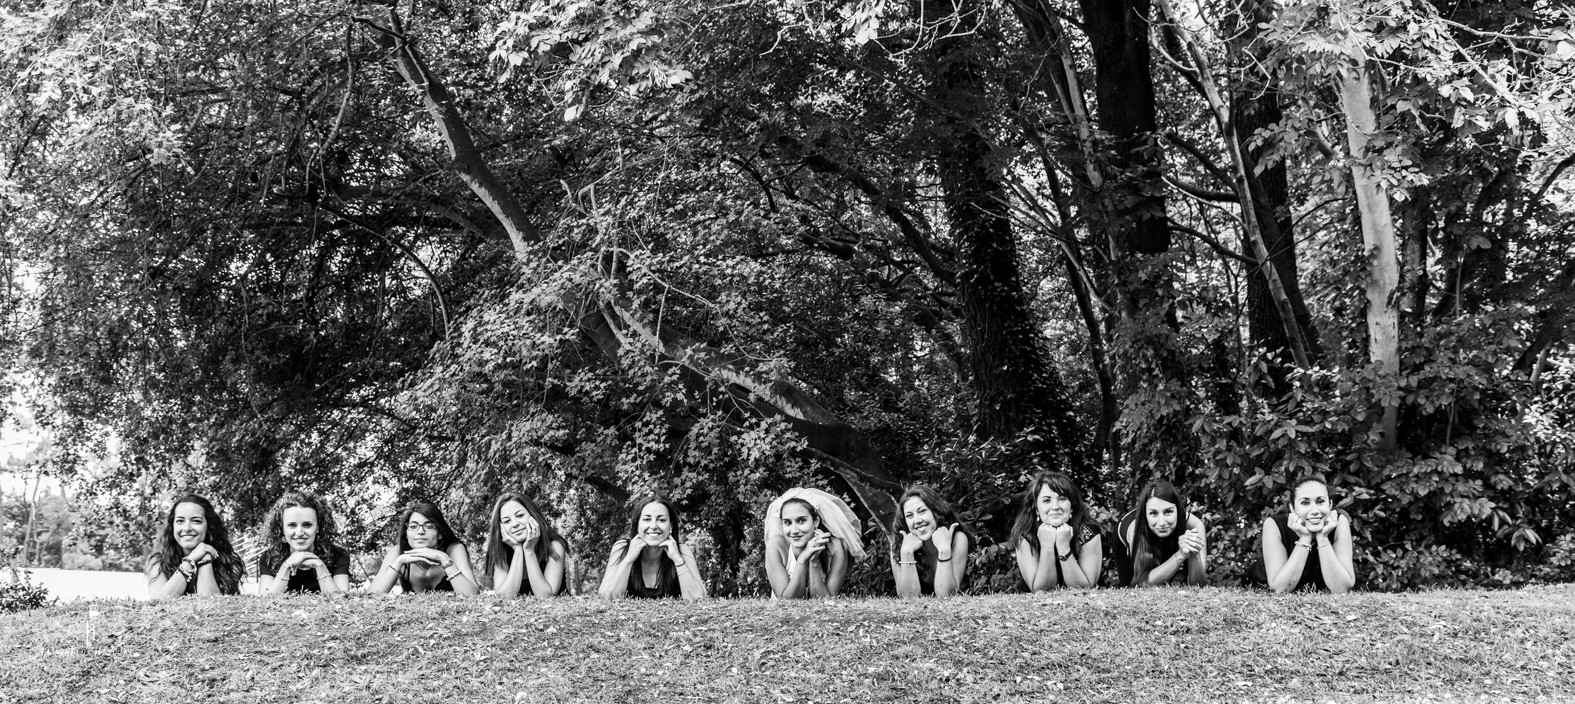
{"points": [[1018, 397], [1416, 216], [1059, 78], [1256, 105], [1131, 210], [1378, 239], [32, 517]]}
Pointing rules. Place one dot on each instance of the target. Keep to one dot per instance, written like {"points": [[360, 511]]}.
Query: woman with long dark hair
{"points": [[811, 538], [525, 554], [1058, 544], [651, 563], [1310, 546], [426, 556], [194, 553], [1165, 543], [930, 546], [301, 555]]}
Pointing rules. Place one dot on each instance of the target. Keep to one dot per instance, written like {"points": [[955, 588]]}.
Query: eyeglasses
{"points": [[420, 527]]}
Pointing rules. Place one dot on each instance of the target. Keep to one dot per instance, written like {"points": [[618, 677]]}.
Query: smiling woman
{"points": [[931, 556], [301, 554], [1058, 543], [1308, 548], [1162, 550], [811, 538], [652, 563], [426, 556], [194, 555], [525, 554]]}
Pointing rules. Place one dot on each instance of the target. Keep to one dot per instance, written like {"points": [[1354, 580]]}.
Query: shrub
{"points": [[19, 593]]}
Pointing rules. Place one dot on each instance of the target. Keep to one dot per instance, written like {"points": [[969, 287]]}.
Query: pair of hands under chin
{"points": [[304, 560], [942, 538], [1302, 530], [631, 549], [202, 554], [421, 556], [1060, 536]]}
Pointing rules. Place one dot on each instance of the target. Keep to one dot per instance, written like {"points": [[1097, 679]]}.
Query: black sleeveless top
{"points": [[1126, 563], [1312, 571], [666, 581], [404, 582], [929, 561]]}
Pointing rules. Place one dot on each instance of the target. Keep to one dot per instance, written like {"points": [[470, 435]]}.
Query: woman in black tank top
{"points": [[930, 546], [426, 557], [1308, 548], [651, 563]]}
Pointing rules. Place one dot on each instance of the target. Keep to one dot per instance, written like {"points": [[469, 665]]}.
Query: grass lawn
{"points": [[1110, 645]]}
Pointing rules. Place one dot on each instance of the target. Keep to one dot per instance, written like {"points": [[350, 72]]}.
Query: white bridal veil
{"points": [[835, 517]]}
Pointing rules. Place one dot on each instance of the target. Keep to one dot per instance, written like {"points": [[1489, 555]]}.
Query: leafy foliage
{"points": [[235, 243], [17, 591]]}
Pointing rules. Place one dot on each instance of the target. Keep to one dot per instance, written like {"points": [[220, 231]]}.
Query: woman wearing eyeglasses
{"points": [[427, 556]]}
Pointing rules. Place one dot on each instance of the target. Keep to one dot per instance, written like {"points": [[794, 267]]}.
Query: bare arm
{"points": [[689, 582], [506, 579], [831, 585], [279, 581], [1190, 564], [1084, 571], [785, 583], [207, 581], [1334, 557], [905, 567], [905, 571], [387, 574], [328, 583], [615, 579], [1036, 567], [159, 586], [1198, 565], [461, 576], [949, 575], [1284, 570], [546, 580]]}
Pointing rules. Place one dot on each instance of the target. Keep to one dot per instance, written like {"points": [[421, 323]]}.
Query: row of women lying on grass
{"points": [[811, 539]]}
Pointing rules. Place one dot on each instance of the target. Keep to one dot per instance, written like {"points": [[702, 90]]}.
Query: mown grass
{"points": [[1112, 645]]}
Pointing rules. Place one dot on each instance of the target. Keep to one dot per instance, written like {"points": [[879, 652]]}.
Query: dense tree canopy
{"points": [[719, 249]]}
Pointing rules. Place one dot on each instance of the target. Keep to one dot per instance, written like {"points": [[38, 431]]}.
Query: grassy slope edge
{"points": [[1113, 645]]}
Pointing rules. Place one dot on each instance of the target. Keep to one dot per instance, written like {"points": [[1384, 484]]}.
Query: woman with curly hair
{"points": [[301, 554], [426, 556], [1058, 543], [194, 553], [652, 563], [929, 552], [525, 554]]}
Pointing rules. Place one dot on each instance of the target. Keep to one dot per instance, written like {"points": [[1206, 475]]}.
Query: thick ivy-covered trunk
{"points": [[1018, 398], [1131, 208]]}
